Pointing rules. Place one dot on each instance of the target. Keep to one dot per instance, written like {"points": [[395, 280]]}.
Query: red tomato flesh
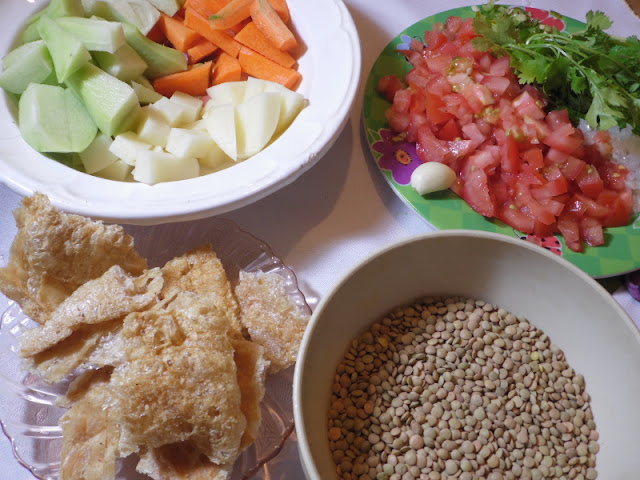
{"points": [[514, 160]]}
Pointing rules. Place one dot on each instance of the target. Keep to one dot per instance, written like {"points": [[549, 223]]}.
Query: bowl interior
{"points": [[330, 93], [597, 336]]}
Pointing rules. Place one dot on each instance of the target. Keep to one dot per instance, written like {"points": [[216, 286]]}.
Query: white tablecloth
{"points": [[341, 210]]}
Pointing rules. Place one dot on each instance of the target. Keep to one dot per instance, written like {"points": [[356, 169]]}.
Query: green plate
{"points": [[445, 210]]}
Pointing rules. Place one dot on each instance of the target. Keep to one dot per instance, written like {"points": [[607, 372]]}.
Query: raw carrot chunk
{"points": [[270, 23], [200, 50], [239, 26], [205, 8], [227, 69], [194, 81], [261, 67], [156, 34], [181, 37], [231, 14], [281, 7], [251, 36], [220, 38]]}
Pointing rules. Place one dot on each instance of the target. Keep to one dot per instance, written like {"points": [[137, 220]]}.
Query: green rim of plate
{"points": [[445, 210]]}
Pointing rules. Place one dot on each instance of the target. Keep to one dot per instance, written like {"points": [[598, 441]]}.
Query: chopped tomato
{"points": [[514, 159], [591, 231], [589, 182], [389, 85], [450, 131], [476, 193], [510, 161], [434, 106]]}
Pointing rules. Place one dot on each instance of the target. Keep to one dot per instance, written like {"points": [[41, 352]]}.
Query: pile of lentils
{"points": [[454, 388]]}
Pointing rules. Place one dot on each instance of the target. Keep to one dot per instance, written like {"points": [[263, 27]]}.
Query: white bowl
{"points": [[330, 67], [599, 339]]}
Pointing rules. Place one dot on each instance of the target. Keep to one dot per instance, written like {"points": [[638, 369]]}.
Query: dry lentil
{"points": [[459, 388]]}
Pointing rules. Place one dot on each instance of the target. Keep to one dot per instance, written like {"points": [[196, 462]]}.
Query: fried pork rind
{"points": [[252, 370], [270, 318], [86, 321], [180, 461], [200, 271], [54, 253], [179, 381], [90, 431], [169, 371]]}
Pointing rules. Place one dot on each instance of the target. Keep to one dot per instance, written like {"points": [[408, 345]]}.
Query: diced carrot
{"points": [[194, 81], [226, 69], [268, 21], [200, 50], [181, 37], [205, 8], [220, 38], [234, 12], [156, 34], [281, 7], [251, 36], [239, 26], [261, 67]]}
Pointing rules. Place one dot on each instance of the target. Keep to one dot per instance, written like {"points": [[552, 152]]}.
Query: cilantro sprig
{"points": [[594, 75]]}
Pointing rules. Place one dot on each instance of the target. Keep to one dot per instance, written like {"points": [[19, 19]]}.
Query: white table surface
{"points": [[341, 210]]}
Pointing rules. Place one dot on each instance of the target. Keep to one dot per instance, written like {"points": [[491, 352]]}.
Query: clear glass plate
{"points": [[28, 415]]}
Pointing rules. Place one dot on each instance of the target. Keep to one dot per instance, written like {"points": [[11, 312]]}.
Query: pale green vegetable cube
{"points": [[145, 94], [124, 64], [29, 63], [68, 53], [98, 35], [112, 103], [52, 119], [161, 60], [55, 9], [138, 13]]}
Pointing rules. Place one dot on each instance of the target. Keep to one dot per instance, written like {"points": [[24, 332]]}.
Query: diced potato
{"points": [[153, 127], [175, 113], [127, 146], [193, 106], [189, 143], [221, 125], [256, 120], [216, 158], [254, 86], [153, 167], [226, 93], [118, 171], [291, 104], [97, 156]]}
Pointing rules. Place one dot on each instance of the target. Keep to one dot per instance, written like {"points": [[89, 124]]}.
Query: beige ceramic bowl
{"points": [[599, 339]]}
